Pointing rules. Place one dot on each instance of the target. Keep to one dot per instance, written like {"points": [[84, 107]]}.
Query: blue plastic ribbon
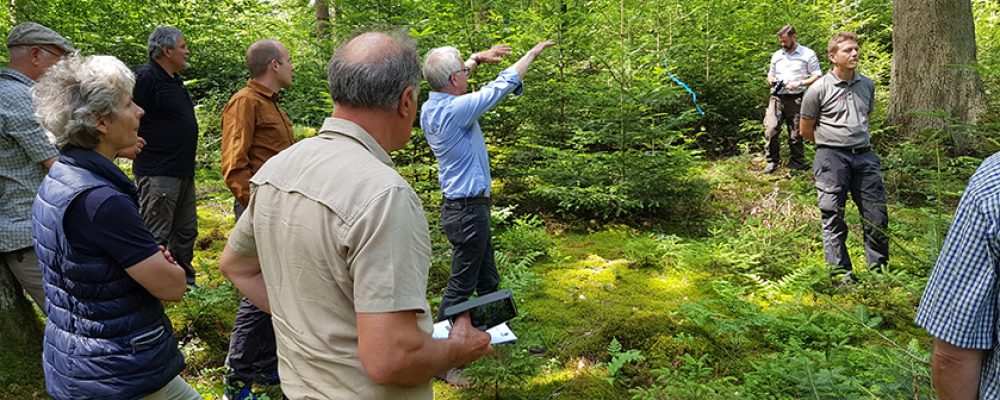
{"points": [[694, 97]]}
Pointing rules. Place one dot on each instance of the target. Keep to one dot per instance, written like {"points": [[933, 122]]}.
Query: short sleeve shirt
{"points": [[337, 232], [840, 109], [959, 304], [104, 222], [796, 65], [23, 147]]}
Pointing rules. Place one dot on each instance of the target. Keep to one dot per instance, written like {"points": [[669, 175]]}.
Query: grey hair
{"points": [[18, 51], [374, 78], [76, 93], [440, 64], [164, 37]]}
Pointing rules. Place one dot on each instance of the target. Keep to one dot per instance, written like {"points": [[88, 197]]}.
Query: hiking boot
{"points": [[239, 393], [797, 166], [770, 168]]}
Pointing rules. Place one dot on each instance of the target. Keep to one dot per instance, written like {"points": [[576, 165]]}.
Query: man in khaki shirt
{"points": [[254, 129], [334, 243]]}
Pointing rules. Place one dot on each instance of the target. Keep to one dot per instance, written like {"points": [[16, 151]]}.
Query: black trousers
{"points": [[840, 172], [783, 109], [252, 351], [466, 223]]}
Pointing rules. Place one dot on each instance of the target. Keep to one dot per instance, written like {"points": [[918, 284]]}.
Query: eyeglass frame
{"points": [[47, 50], [464, 70]]}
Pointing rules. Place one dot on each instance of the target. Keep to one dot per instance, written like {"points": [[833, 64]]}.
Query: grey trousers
{"points": [[168, 207], [24, 265], [783, 109], [176, 389], [839, 173]]}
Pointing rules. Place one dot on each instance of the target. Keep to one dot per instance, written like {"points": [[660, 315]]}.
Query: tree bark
{"points": [[934, 53], [21, 341], [323, 16]]}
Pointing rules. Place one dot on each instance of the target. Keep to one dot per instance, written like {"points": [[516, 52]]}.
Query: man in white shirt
{"points": [[793, 68]]}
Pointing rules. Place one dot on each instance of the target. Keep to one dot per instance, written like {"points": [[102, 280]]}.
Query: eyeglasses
{"points": [[464, 71], [58, 55]]}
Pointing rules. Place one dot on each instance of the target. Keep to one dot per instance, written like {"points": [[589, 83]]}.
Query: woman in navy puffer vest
{"points": [[107, 336]]}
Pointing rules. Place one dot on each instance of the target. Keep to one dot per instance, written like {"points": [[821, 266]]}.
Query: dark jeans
{"points": [[783, 108], [839, 173], [466, 222], [167, 204], [252, 353]]}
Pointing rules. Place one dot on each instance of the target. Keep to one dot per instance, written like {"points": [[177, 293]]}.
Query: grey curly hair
{"points": [[76, 93]]}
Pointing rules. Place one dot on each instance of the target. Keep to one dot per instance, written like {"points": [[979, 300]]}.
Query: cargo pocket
{"points": [[828, 190]]}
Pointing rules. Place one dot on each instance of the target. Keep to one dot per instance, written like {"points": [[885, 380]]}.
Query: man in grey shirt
{"points": [[25, 151], [835, 113]]}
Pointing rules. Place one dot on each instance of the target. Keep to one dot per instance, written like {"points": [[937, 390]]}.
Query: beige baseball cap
{"points": [[30, 33]]}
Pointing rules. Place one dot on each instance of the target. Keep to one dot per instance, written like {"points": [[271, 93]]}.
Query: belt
{"points": [[469, 200], [854, 150]]}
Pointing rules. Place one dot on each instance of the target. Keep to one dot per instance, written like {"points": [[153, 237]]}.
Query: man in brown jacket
{"points": [[253, 130]]}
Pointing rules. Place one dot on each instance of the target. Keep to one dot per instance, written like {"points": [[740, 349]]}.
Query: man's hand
{"points": [[537, 50], [133, 151], [793, 85], [493, 55], [166, 254], [473, 344], [521, 66]]}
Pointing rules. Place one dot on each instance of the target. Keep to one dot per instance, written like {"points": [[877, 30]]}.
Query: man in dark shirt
{"points": [[164, 170]]}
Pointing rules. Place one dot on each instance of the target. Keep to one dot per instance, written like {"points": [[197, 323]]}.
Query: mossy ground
{"points": [[731, 302]]}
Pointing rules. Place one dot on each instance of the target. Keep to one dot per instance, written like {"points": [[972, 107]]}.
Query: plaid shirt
{"points": [[959, 305], [23, 147]]}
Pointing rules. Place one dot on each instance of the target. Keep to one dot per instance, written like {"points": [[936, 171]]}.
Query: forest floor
{"points": [[730, 301], [733, 302]]}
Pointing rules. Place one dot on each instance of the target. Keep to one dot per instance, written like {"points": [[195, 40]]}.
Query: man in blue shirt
{"points": [[959, 305], [450, 120]]}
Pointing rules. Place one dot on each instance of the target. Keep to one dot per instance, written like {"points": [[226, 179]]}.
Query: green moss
{"points": [[21, 359]]}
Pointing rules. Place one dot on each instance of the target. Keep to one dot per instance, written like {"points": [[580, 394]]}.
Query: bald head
{"points": [[372, 69], [261, 53]]}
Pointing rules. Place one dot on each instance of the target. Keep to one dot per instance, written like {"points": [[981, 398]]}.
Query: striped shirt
{"points": [[959, 305], [23, 147]]}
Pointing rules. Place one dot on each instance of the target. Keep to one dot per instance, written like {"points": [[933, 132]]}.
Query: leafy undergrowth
{"points": [[737, 305], [734, 303]]}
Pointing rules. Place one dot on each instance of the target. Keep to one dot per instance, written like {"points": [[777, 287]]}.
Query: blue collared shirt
{"points": [[451, 126], [959, 305]]}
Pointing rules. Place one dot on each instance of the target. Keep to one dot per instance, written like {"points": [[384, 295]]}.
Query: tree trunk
{"points": [[323, 16], [934, 52], [21, 340]]}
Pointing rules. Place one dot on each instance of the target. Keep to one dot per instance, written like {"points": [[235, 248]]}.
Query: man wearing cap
{"points": [[25, 151], [835, 112], [164, 171]]}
